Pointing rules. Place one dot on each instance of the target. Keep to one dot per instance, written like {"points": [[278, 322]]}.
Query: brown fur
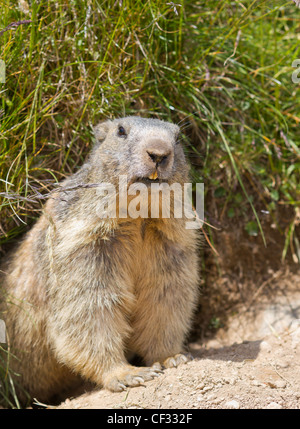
{"points": [[82, 292]]}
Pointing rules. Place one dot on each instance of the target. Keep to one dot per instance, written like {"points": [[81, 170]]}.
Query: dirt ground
{"points": [[252, 363]]}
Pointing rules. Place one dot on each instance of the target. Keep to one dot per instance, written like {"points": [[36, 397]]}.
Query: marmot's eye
{"points": [[122, 132]]}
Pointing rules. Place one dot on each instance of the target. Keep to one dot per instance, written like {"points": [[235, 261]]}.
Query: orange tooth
{"points": [[153, 176]]}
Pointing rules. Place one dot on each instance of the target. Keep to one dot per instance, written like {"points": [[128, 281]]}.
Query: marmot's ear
{"points": [[101, 130]]}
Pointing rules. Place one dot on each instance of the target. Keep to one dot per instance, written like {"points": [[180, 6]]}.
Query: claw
{"points": [[180, 358], [130, 376], [155, 374], [138, 380], [157, 367]]}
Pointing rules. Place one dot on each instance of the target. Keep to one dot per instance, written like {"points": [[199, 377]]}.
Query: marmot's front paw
{"points": [[129, 376], [179, 359]]}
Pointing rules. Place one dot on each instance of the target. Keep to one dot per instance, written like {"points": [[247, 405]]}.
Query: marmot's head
{"points": [[146, 150]]}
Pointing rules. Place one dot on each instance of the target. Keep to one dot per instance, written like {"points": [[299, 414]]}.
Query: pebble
{"points": [[274, 406], [282, 364], [210, 397], [218, 401], [256, 383], [207, 388], [200, 386], [232, 404], [280, 384], [264, 345], [229, 380]]}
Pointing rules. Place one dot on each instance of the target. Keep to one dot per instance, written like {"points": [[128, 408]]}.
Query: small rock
{"points": [[218, 401], [256, 383], [210, 397], [232, 404], [200, 386], [207, 388], [274, 406], [282, 364], [277, 384], [264, 345], [280, 384]]}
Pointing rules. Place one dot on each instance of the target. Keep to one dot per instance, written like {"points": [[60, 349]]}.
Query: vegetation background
{"points": [[221, 69]]}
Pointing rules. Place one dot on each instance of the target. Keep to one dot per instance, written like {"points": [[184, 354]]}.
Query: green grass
{"points": [[221, 68], [8, 395]]}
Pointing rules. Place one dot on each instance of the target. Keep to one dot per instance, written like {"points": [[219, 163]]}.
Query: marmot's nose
{"points": [[158, 156], [159, 153]]}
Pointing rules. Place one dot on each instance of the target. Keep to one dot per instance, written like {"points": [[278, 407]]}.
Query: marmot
{"points": [[83, 292]]}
